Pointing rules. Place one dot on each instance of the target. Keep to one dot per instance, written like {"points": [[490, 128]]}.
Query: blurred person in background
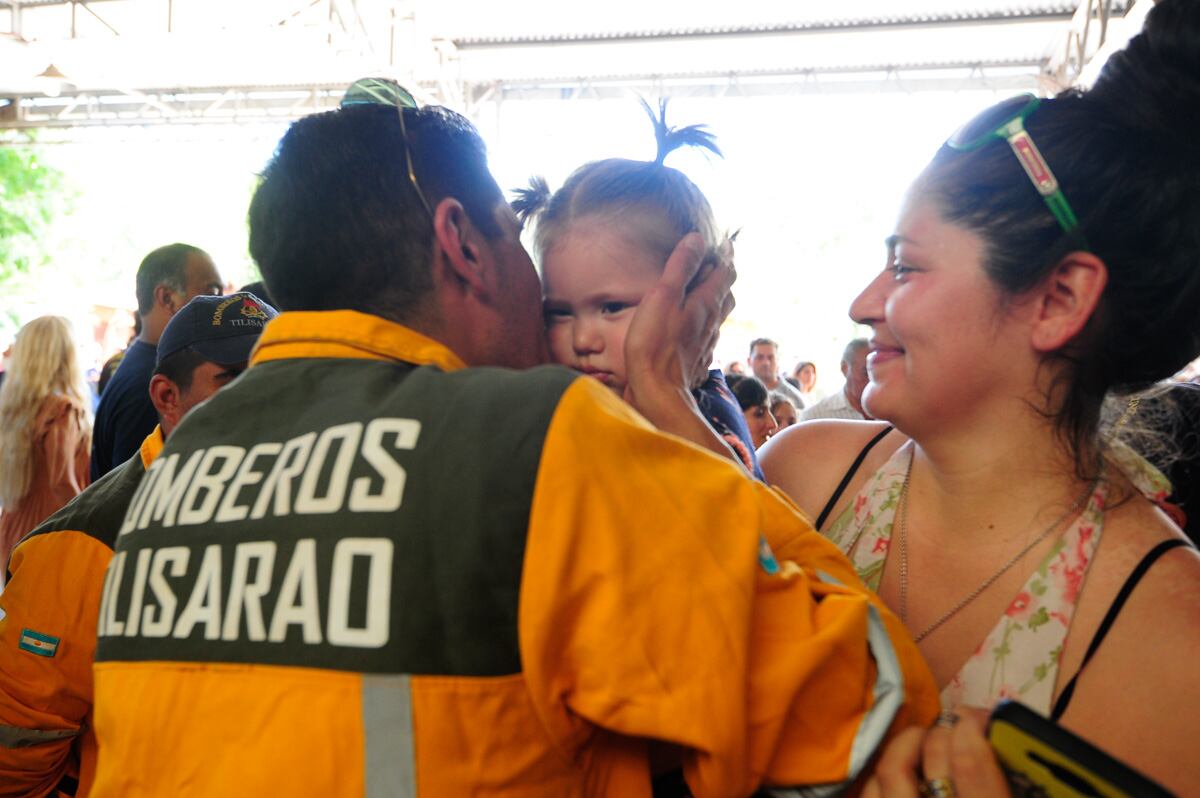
{"points": [[166, 279], [805, 377], [846, 403], [783, 410], [764, 364], [752, 397], [45, 428]]}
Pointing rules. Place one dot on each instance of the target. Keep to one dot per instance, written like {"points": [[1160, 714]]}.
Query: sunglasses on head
{"points": [[385, 92], [1006, 121]]}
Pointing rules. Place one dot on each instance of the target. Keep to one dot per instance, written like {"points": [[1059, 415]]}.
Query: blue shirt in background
{"points": [[724, 415], [126, 415]]}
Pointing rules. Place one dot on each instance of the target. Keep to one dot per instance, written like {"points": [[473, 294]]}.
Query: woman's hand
{"points": [[951, 758]]}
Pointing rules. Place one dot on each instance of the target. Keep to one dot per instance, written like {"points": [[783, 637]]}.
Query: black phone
{"points": [[1042, 758]]}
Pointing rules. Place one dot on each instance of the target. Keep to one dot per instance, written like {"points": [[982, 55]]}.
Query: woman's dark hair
{"points": [[750, 392], [658, 204], [1125, 156], [336, 223]]}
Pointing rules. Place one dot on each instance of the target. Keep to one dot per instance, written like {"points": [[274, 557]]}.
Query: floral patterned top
{"points": [[1019, 657]]}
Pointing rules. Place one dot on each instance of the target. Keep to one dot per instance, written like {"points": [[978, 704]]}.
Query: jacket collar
{"points": [[349, 334], [152, 446]]}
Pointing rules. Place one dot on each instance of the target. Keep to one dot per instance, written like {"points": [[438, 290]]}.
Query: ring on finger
{"points": [[946, 719], [937, 788]]}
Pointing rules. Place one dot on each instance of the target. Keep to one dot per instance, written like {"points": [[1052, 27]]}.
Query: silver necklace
{"points": [[902, 511]]}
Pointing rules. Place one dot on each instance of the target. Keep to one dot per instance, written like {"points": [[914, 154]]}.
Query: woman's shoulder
{"points": [[1135, 528], [808, 460]]}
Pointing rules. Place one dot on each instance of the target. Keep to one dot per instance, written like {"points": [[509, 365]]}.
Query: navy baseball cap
{"points": [[221, 329]]}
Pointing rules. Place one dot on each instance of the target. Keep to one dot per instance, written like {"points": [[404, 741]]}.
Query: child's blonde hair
{"points": [[44, 363], [656, 204]]}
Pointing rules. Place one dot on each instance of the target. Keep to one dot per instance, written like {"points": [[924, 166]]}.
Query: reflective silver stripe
{"points": [[889, 694], [889, 690], [889, 697], [16, 737], [388, 759]]}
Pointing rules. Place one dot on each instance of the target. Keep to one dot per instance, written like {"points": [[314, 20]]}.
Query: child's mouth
{"points": [[603, 376]]}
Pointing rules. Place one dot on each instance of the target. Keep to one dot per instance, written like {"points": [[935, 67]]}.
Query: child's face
{"points": [[594, 278]]}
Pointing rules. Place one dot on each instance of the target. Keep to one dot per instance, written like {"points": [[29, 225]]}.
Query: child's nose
{"points": [[586, 337]]}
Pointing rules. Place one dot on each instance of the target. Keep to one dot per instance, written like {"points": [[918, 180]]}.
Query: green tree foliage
{"points": [[31, 195]]}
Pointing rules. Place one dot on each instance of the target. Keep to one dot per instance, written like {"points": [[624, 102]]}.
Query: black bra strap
{"points": [[858, 461], [1060, 706]]}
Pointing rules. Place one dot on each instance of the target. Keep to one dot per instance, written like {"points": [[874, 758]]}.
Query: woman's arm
{"points": [[1138, 698]]}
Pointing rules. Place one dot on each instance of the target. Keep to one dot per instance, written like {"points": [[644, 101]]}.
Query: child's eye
{"points": [[611, 308], [899, 270], [555, 313]]}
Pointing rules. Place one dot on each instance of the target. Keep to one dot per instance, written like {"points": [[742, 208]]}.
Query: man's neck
{"points": [[853, 401], [771, 383], [153, 325]]}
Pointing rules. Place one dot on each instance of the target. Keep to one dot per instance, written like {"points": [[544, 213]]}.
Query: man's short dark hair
{"points": [[762, 342], [851, 349], [335, 222], [180, 367], [164, 266]]}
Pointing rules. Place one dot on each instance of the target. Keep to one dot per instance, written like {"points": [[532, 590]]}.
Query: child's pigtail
{"points": [[530, 201], [670, 139]]}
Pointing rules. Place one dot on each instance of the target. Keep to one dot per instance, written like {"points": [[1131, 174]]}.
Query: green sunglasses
{"points": [[382, 91], [1006, 121]]}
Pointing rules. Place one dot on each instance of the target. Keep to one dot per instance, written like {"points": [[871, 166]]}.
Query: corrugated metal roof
{"points": [[1057, 11]]}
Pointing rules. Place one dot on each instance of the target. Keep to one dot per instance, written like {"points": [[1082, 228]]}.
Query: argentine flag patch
{"points": [[38, 643]]}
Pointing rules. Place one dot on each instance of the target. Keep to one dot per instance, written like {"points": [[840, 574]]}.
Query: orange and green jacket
{"points": [[48, 636], [364, 570]]}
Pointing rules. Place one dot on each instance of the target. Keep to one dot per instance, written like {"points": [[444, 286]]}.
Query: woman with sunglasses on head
{"points": [[1046, 259]]}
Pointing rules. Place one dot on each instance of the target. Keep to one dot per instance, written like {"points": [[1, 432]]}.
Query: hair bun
{"points": [[670, 139], [528, 202], [1153, 85]]}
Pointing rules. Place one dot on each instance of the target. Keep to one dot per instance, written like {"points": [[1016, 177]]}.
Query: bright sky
{"points": [[812, 180]]}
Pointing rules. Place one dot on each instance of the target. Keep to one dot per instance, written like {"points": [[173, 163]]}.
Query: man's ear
{"points": [[165, 396], [1066, 299], [163, 295], [460, 242]]}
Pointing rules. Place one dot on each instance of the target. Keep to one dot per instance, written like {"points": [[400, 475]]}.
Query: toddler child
{"points": [[602, 241]]}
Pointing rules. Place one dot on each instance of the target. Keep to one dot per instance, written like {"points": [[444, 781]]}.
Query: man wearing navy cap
{"points": [[52, 599]]}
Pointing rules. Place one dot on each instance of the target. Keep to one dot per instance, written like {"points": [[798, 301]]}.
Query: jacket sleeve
{"points": [[47, 643], [647, 610]]}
